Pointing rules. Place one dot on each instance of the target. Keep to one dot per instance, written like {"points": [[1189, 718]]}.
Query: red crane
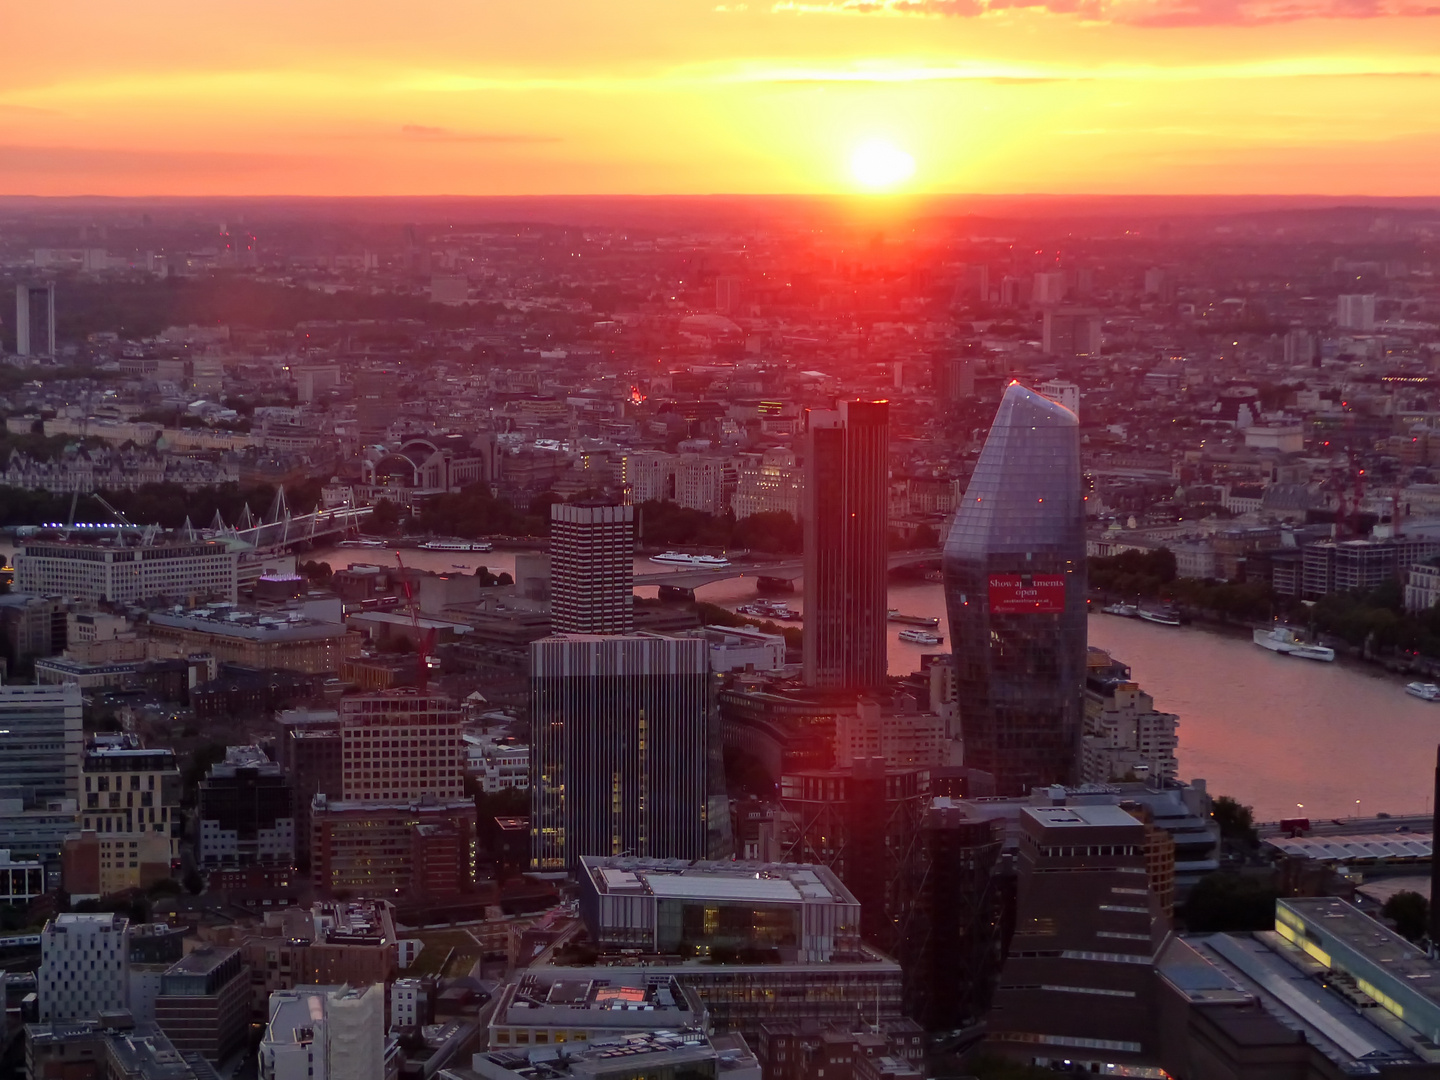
{"points": [[423, 640]]}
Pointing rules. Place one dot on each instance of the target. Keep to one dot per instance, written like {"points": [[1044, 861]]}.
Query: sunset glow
{"points": [[879, 166], [566, 96]]}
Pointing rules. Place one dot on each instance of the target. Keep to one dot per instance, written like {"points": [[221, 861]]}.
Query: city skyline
{"points": [[677, 96]]}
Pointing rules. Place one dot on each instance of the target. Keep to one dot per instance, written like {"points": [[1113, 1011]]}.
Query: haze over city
{"points": [[693, 540], [692, 96]]}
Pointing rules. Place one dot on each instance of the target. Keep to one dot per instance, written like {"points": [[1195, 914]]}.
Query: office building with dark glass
{"points": [[1014, 568], [846, 517], [619, 738]]}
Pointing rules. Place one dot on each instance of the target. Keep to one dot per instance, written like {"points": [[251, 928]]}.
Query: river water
{"points": [[1292, 738]]}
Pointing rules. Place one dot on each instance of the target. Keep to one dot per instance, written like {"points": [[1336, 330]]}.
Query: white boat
{"points": [[1163, 617], [1425, 691], [699, 562], [455, 545], [361, 544], [768, 609], [1284, 640], [921, 637], [1129, 611]]}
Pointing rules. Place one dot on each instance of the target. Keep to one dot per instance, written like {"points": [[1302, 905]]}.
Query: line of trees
{"points": [[167, 505]]}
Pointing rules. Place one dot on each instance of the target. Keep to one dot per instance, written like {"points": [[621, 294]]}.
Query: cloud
{"points": [[1150, 13], [440, 134]]}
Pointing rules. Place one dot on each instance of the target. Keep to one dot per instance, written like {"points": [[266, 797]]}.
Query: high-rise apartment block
{"points": [[84, 966], [1355, 311], [619, 735], [1014, 567], [592, 568], [1124, 736], [31, 317], [647, 476], [41, 740], [846, 554], [399, 745]]}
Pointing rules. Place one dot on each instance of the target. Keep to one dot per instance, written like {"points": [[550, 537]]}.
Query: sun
{"points": [[879, 165]]}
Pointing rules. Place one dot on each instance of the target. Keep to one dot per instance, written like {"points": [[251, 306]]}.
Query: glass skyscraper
{"points": [[1015, 588]]}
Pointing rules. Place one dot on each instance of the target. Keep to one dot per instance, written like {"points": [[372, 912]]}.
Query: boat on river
{"points": [[1425, 691], [921, 637], [697, 562], [928, 621], [1128, 611], [1284, 640], [1162, 616]]}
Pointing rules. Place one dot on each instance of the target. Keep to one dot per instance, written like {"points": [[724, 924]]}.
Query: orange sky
{"points": [[350, 97]]}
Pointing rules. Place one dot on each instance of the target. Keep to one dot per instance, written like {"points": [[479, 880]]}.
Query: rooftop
{"points": [[739, 881]]}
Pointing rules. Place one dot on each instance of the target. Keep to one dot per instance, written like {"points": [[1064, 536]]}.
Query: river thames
{"points": [[1292, 738]]}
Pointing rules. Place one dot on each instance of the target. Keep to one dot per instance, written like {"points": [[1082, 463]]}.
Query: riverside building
{"points": [[1014, 571], [846, 517]]}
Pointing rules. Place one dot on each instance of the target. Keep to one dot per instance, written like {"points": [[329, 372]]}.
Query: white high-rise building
{"points": [[1355, 311], [592, 568], [325, 1033], [84, 966], [1062, 393]]}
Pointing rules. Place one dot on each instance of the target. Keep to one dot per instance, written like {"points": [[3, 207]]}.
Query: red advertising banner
{"points": [[1012, 594]]}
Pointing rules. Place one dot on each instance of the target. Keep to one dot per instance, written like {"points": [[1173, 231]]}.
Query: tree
{"points": [[1410, 912], [1236, 821], [194, 883], [1225, 902], [385, 518]]}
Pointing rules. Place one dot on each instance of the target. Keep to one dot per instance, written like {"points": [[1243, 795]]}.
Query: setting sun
{"points": [[877, 165]]}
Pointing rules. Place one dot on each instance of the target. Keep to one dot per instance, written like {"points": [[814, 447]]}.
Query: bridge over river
{"points": [[785, 570]]}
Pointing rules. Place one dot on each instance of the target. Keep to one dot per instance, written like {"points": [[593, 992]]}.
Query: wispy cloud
{"points": [[442, 134], [1153, 13]]}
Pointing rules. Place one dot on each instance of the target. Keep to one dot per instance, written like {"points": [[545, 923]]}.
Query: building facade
{"points": [[619, 736], [41, 741], [412, 849], [84, 966], [846, 553], [401, 744], [592, 568], [132, 804], [247, 816], [121, 573], [1015, 591]]}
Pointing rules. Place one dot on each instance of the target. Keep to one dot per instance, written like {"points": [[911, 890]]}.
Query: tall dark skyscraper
{"points": [[619, 730], [1015, 589], [592, 568], [846, 512]]}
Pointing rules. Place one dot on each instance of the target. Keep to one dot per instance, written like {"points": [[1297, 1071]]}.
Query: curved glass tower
{"points": [[1015, 589]]}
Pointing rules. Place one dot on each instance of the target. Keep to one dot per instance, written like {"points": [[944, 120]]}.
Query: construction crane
{"points": [[424, 640]]}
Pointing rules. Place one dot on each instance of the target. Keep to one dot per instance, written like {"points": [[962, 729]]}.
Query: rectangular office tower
{"points": [[619, 728], [846, 512], [1014, 568], [592, 568], [41, 741]]}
